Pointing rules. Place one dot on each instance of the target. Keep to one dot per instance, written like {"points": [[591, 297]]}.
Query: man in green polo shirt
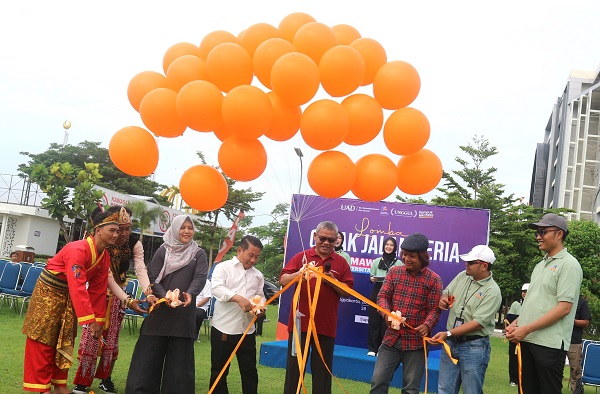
{"points": [[546, 321], [471, 319]]}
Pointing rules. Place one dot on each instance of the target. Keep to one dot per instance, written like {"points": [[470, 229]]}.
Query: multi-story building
{"points": [[567, 163]]}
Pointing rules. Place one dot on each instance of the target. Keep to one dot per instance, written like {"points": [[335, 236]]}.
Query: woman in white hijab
{"points": [[163, 358]]}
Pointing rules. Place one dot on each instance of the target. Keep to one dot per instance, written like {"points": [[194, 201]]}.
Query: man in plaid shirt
{"points": [[414, 290]]}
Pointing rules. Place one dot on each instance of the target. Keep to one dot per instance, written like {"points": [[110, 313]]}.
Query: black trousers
{"points": [[377, 325], [200, 316], [321, 379], [542, 369], [513, 363], [222, 346], [162, 365]]}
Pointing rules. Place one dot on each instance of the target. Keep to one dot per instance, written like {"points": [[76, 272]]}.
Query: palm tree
{"points": [[144, 214]]}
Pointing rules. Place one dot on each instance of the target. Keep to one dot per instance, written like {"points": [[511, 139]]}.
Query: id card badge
{"points": [[458, 322]]}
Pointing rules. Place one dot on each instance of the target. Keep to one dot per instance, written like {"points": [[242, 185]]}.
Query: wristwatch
{"points": [[448, 334]]}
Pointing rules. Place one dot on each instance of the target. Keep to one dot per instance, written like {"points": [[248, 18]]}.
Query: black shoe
{"points": [[79, 389], [107, 386]]}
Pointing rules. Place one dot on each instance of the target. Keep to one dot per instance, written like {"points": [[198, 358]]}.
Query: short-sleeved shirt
{"points": [[477, 300], [515, 308], [417, 297], [327, 307], [582, 313], [554, 279], [345, 255]]}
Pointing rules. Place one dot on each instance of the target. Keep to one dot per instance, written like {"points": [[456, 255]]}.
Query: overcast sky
{"points": [[491, 70]]}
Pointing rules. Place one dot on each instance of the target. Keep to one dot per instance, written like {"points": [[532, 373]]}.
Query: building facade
{"points": [[567, 162]]}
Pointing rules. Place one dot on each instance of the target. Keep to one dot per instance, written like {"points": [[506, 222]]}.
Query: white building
{"points": [[567, 163]]}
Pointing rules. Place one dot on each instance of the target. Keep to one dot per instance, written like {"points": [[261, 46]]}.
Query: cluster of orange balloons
{"points": [[208, 88]]}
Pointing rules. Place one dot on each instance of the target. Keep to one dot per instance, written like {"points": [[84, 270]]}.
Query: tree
{"points": [[273, 237], [61, 180], [144, 214], [86, 152]]}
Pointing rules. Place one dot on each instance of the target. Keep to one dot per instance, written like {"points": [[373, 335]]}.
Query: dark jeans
{"points": [[542, 369], [321, 379], [222, 346], [389, 359], [513, 363], [162, 365], [377, 325]]}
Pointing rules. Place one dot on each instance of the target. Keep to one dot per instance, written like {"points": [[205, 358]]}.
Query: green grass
{"points": [[12, 343]]}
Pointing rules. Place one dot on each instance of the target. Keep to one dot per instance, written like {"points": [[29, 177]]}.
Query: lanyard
{"points": [[467, 299]]}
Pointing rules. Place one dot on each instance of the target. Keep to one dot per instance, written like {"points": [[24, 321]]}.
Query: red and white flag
{"points": [[229, 239]]}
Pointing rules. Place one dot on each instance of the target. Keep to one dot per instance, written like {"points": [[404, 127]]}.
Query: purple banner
{"points": [[451, 231]]}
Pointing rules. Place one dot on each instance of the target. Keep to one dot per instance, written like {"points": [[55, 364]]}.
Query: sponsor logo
{"points": [[361, 319], [367, 209], [164, 221], [347, 207], [104, 200], [384, 211], [425, 214], [403, 213]]}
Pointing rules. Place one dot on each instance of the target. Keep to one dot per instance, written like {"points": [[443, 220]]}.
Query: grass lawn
{"points": [[12, 343]]}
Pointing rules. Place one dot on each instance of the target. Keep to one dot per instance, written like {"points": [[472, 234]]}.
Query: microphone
{"points": [[327, 266]]}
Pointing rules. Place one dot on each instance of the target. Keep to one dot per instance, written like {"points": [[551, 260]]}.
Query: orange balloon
{"points": [[286, 119], [396, 85], [374, 55], [406, 131], [247, 111], [204, 188], [178, 50], [324, 124], [376, 177], [345, 34], [314, 39], [320, 173], [342, 70], [222, 133], [133, 150], [185, 69], [295, 78], [419, 173], [242, 159], [266, 55], [229, 65], [213, 39], [159, 113], [256, 35], [366, 118], [199, 104], [143, 83], [291, 23]]}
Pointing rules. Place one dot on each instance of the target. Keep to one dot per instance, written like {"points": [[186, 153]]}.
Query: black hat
{"points": [[416, 242]]}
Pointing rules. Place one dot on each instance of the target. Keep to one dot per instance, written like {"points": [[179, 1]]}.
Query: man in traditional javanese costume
{"points": [[61, 300], [125, 248]]}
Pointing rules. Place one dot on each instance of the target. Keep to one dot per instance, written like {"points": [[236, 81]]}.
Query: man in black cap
{"points": [[546, 321], [415, 291], [470, 323]]}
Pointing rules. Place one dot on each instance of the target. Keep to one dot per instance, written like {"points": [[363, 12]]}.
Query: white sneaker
{"points": [[372, 354]]}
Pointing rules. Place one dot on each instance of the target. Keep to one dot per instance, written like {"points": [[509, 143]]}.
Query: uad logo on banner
{"points": [[348, 207]]}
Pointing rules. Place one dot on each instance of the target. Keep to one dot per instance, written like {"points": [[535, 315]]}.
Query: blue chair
{"points": [[132, 287], [26, 290], [131, 317], [9, 281], [2, 265], [591, 363], [24, 269]]}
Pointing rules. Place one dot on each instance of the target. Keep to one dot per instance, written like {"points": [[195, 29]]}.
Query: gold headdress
{"points": [[124, 217], [113, 218]]}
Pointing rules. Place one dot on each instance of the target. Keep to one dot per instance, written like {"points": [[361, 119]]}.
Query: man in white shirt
{"points": [[234, 283], [202, 305]]}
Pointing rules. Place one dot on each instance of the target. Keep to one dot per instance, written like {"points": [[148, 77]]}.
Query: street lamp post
{"points": [[66, 126], [300, 156]]}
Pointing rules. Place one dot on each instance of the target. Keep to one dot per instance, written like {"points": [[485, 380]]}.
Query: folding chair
{"points": [[591, 361], [9, 281], [26, 290]]}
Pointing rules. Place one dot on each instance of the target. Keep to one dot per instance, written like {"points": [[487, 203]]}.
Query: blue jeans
{"points": [[473, 358], [389, 359]]}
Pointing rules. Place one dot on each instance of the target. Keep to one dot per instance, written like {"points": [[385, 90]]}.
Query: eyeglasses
{"points": [[543, 231], [323, 239], [474, 262]]}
